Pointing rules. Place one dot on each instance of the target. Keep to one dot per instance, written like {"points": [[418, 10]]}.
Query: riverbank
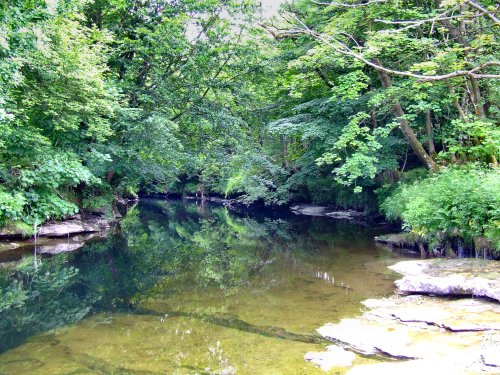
{"points": [[58, 236], [451, 247], [424, 333]]}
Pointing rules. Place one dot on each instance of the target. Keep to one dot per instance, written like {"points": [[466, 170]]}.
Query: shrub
{"points": [[458, 201]]}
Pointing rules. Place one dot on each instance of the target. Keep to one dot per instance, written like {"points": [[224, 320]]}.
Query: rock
{"points": [[310, 210], [491, 351], [491, 356], [349, 214], [386, 338], [67, 228], [348, 332], [473, 277], [10, 232], [7, 246], [58, 245], [454, 315], [417, 367], [61, 228], [335, 356], [435, 335]]}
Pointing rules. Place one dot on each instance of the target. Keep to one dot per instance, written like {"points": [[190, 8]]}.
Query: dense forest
{"points": [[387, 106]]}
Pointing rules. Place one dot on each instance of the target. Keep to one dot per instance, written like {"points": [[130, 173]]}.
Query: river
{"points": [[181, 288]]}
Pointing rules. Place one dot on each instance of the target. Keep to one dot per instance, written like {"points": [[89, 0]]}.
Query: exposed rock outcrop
{"points": [[472, 277], [335, 356], [427, 334], [53, 238], [431, 332], [312, 210], [71, 227], [309, 210], [61, 228]]}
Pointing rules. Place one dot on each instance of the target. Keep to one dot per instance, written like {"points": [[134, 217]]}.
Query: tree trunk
{"points": [[404, 125], [423, 253], [110, 176], [460, 110], [430, 136], [284, 143], [476, 97]]}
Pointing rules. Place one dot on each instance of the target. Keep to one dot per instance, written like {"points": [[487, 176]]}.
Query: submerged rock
{"points": [[335, 356], [473, 277]]}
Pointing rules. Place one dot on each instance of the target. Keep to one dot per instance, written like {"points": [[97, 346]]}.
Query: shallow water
{"points": [[188, 289]]}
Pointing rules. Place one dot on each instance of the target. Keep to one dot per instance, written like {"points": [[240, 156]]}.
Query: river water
{"points": [[180, 288]]}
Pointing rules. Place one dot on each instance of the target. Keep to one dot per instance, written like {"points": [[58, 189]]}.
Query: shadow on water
{"points": [[241, 325]]}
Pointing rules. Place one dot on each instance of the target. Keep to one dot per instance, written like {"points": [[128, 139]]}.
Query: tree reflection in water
{"points": [[177, 244]]}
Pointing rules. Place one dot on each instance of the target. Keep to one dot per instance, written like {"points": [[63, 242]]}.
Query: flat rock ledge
{"points": [[71, 227], [312, 210], [439, 333], [470, 277], [421, 334], [55, 238], [335, 356], [61, 228], [53, 245]]}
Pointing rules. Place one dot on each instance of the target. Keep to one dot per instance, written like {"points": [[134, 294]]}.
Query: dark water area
{"points": [[181, 288]]}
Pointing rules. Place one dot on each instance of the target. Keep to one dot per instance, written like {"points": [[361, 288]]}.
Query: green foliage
{"points": [[56, 101], [459, 201], [37, 190], [11, 206], [108, 97], [259, 179], [473, 141]]}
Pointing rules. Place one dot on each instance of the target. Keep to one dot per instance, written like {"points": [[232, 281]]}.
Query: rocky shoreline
{"points": [[313, 210], [55, 237], [58, 236], [424, 333], [451, 247]]}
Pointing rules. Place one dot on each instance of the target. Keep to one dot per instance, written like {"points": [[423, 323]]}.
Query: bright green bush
{"points": [[36, 189], [11, 206], [458, 201]]}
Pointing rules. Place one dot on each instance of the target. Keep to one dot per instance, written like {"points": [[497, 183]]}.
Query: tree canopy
{"points": [[359, 104]]}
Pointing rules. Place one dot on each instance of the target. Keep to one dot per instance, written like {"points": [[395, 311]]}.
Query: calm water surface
{"points": [[188, 289]]}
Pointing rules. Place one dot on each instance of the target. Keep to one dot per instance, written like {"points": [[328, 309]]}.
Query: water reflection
{"points": [[268, 275]]}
